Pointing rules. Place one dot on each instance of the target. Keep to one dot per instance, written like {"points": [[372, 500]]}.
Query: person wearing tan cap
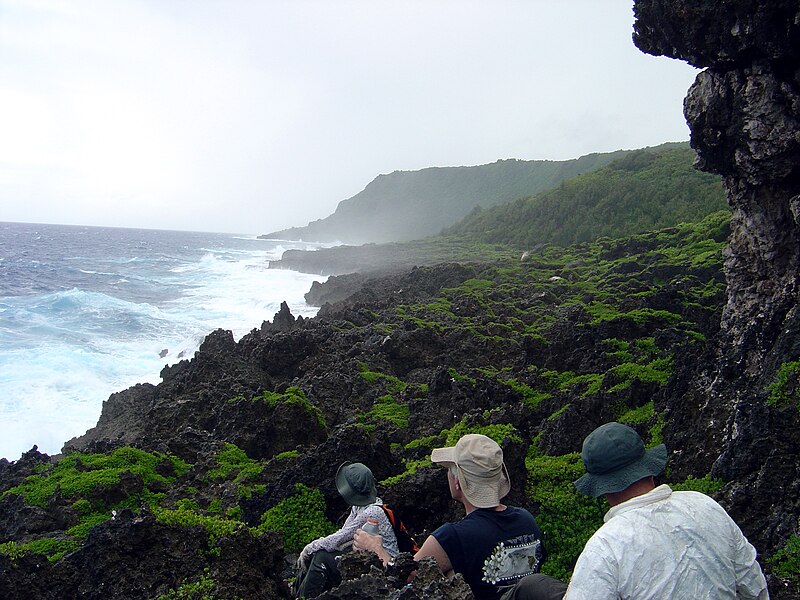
{"points": [[494, 545]]}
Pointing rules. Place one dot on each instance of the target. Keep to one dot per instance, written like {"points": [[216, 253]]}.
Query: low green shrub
{"points": [[393, 384], [54, 549], [195, 590], [498, 432], [705, 485], [785, 388], [293, 395], [216, 527], [567, 518], [638, 416], [388, 409], [300, 518], [77, 475], [785, 562], [233, 461]]}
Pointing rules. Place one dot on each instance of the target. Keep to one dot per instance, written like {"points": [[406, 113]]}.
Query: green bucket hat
{"points": [[356, 484], [615, 457]]}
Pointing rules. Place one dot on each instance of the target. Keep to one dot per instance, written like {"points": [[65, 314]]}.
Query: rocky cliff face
{"points": [[534, 353], [164, 497], [744, 115]]}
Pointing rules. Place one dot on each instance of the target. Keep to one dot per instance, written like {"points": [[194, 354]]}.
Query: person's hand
{"points": [[304, 558], [367, 541]]}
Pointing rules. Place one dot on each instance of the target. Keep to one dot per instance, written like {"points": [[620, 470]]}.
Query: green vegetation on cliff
{"points": [[94, 486], [526, 352], [642, 191], [409, 205]]}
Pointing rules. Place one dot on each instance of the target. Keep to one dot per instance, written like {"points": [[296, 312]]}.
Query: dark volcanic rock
{"points": [[132, 557], [709, 33], [365, 579], [12, 473], [744, 116]]}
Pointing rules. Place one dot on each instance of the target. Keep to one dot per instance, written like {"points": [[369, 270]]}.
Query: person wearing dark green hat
{"points": [[655, 543], [317, 568]]}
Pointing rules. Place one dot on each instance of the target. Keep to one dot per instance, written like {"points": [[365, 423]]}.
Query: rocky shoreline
{"points": [[209, 482], [534, 353]]}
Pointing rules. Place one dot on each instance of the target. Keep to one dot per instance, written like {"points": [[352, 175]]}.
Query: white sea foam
{"points": [[62, 353]]}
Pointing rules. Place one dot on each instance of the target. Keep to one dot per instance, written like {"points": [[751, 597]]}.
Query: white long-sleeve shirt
{"points": [[342, 540], [665, 544]]}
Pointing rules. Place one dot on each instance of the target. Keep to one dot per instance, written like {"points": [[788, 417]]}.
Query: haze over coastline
{"points": [[256, 116]]}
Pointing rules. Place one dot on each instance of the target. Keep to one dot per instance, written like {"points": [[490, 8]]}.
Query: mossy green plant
{"points": [[656, 371], [656, 431], [785, 563], [785, 388], [411, 467], [497, 431], [456, 376], [567, 518], [289, 454], [638, 416], [87, 523], [82, 506], [199, 589], [386, 408], [51, 547], [233, 462], [13, 550], [81, 477], [706, 485], [393, 384], [531, 397], [294, 396], [77, 475], [559, 412], [216, 527], [424, 442], [300, 518]]}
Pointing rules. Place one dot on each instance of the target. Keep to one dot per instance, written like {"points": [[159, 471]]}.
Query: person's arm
{"points": [[374, 543], [431, 547], [593, 578], [371, 543], [750, 581], [340, 539]]}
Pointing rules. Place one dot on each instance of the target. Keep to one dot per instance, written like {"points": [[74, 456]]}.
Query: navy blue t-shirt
{"points": [[492, 549]]}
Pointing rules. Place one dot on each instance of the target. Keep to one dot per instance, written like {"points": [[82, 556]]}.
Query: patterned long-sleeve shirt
{"points": [[342, 540]]}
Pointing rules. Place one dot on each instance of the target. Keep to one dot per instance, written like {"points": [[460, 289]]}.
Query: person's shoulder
{"points": [[446, 529], [518, 510], [696, 498], [519, 514], [374, 511]]}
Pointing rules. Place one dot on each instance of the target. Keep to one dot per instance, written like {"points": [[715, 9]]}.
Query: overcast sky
{"points": [[250, 116]]}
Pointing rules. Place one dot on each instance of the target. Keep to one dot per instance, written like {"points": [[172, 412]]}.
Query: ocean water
{"points": [[88, 311]]}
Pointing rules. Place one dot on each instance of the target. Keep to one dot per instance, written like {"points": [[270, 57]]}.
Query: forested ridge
{"points": [[409, 205], [642, 191]]}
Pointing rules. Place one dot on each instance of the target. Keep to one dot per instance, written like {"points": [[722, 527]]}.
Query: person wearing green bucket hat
{"points": [[615, 457], [317, 567], [655, 542]]}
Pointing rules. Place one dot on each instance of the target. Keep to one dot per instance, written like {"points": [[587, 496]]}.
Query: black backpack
{"points": [[405, 542]]}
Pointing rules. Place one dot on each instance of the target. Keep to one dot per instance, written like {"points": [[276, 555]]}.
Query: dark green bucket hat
{"points": [[356, 484], [615, 457]]}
